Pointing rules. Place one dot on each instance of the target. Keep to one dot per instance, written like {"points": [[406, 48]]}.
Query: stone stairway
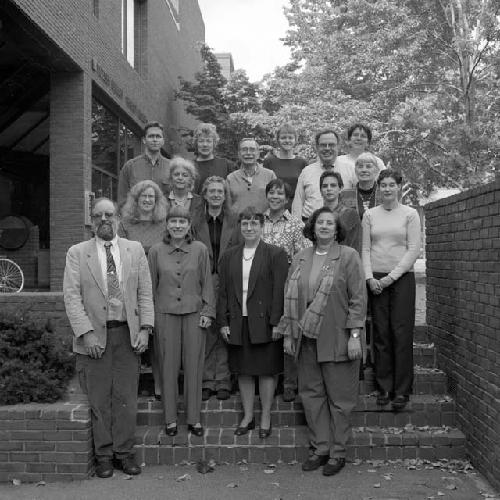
{"points": [[425, 429]]}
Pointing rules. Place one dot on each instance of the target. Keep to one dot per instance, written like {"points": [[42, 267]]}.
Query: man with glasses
{"points": [[205, 141], [109, 303], [307, 193], [246, 187], [151, 165]]}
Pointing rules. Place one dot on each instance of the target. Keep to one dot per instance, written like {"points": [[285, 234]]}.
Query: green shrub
{"points": [[36, 364]]}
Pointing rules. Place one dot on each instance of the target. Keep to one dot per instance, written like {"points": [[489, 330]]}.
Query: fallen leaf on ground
{"points": [[269, 471], [387, 477], [16, 482], [293, 462], [451, 487], [184, 477], [204, 467], [127, 476], [41, 483], [276, 484], [243, 468], [371, 470], [376, 485], [231, 485], [440, 494]]}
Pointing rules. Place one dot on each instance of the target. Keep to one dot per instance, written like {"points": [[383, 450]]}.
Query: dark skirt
{"points": [[255, 359]]}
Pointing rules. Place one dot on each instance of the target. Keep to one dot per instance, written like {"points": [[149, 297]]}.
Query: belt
{"points": [[115, 324]]}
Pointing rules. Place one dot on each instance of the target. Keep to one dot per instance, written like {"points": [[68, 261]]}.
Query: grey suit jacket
{"points": [[85, 291]]}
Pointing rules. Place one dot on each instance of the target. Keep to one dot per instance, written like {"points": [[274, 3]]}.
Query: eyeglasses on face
{"points": [[100, 215]]}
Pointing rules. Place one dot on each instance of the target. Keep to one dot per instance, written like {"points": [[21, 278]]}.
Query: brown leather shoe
{"points": [[104, 468], [333, 466], [314, 462], [223, 394]]}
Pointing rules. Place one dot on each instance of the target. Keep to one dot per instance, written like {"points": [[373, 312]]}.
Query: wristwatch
{"points": [[355, 334], [148, 328]]}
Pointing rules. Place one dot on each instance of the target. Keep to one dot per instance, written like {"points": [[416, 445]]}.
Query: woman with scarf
{"points": [[324, 313]]}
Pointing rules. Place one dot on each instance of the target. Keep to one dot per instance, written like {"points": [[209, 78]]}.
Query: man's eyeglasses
{"points": [[106, 215], [327, 146]]}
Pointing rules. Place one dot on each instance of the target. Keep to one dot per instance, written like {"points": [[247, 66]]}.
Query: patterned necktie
{"points": [[114, 290]]}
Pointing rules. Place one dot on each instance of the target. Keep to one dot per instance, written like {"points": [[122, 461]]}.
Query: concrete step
{"points": [[434, 410], [290, 444], [424, 355], [420, 333]]}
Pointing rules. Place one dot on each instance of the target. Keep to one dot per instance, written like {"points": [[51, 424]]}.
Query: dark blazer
{"points": [[265, 292], [200, 233]]}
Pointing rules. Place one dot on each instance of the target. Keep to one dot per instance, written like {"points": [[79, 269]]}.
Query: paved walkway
{"points": [[357, 482]]}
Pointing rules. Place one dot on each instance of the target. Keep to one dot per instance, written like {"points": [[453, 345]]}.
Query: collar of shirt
{"points": [[101, 242], [209, 217], [242, 171], [171, 196], [285, 216], [182, 248], [153, 162]]}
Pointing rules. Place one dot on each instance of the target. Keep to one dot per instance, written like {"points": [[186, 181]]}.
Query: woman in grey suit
{"points": [[324, 313], [252, 279]]}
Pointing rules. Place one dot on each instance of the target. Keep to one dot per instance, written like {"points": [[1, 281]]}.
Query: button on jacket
{"points": [[182, 279]]}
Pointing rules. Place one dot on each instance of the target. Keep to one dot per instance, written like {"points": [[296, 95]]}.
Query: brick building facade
{"points": [[463, 313], [79, 79]]}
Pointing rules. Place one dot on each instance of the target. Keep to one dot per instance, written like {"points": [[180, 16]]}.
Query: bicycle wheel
{"points": [[11, 277]]}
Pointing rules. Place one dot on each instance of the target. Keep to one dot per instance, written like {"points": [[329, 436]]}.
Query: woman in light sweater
{"points": [[391, 245]]}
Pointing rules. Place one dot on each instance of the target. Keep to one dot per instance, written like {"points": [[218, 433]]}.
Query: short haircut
{"points": [[311, 222], [130, 209], [180, 212], [324, 132], [250, 213], [247, 139], [152, 125], [365, 128], [280, 184], [213, 179], [331, 173], [388, 173], [179, 162], [206, 130], [287, 128], [104, 198], [368, 156]]}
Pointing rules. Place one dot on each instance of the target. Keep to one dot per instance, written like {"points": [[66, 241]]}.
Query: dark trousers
{"points": [[289, 372], [393, 318], [111, 384]]}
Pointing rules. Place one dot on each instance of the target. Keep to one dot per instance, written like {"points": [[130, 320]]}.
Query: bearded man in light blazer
{"points": [[108, 299]]}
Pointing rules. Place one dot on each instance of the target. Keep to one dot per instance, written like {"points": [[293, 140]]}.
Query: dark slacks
{"points": [[111, 385], [329, 392], [393, 318], [289, 372]]}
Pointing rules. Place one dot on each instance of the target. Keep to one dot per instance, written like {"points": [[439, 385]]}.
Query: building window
{"points": [[128, 30], [113, 143]]}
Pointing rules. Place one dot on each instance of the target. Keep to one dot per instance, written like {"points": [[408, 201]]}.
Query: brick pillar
{"points": [[70, 165]]}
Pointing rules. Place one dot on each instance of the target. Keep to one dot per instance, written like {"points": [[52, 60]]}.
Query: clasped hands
{"points": [[376, 286], [95, 351]]}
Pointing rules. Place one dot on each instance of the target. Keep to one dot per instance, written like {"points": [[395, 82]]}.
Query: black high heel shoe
{"points": [[264, 433], [243, 429], [197, 431], [171, 431]]}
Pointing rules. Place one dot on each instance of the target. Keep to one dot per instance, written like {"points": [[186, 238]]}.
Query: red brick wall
{"points": [[463, 312]]}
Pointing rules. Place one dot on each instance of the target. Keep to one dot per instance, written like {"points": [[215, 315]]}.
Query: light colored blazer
{"points": [[85, 291]]}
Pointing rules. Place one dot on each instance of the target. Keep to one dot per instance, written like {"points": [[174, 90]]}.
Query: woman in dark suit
{"points": [[250, 305], [324, 313]]}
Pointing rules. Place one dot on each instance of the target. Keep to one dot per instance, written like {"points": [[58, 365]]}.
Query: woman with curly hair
{"points": [[143, 220]]}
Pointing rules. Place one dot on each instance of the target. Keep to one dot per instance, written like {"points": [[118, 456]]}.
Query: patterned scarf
{"points": [[310, 323]]}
